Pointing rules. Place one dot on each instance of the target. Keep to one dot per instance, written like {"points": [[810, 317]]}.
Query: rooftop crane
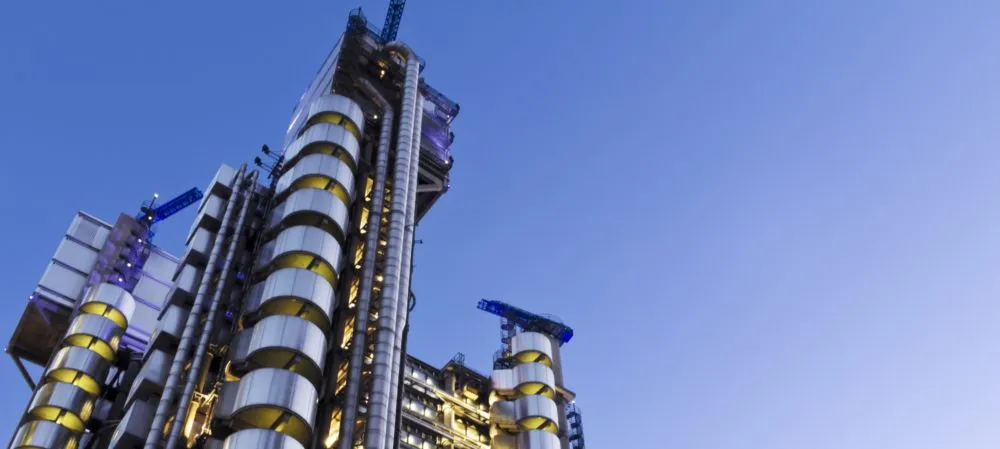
{"points": [[393, 16], [152, 214], [528, 321]]}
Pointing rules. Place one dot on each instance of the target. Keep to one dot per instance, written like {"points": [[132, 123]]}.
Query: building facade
{"points": [[283, 324]]}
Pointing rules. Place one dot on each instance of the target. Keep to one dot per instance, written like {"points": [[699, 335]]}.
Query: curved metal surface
{"points": [[111, 302], [96, 333], [534, 379], [403, 292], [359, 336], [318, 171], [324, 139], [537, 439], [78, 366], [260, 439], [304, 247], [295, 292], [285, 342], [532, 347], [199, 248], [43, 434], [274, 398], [62, 403], [378, 429], [341, 105], [312, 207], [536, 413]]}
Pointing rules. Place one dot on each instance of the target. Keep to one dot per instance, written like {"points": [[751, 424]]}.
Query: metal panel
{"points": [[63, 281], [260, 439], [304, 247], [317, 170], [160, 265], [535, 412], [76, 255], [531, 347], [341, 105], [227, 399], [312, 207], [198, 247], [43, 434], [95, 333], [134, 426], [324, 138], [537, 439], [151, 290], [152, 376], [293, 291], [143, 322], [89, 230], [286, 342], [169, 328], [503, 379], [62, 403], [78, 366], [502, 414], [269, 396], [186, 283], [505, 442], [534, 378], [109, 301]]}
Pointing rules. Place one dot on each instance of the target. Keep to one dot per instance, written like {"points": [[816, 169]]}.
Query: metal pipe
{"points": [[378, 407], [403, 293], [358, 343], [184, 401], [193, 321]]}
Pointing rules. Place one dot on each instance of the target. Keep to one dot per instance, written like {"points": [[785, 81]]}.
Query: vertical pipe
{"points": [[378, 407], [190, 327], [358, 344], [184, 401], [403, 293]]}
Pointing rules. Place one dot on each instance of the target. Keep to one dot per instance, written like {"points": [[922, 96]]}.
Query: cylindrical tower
{"points": [[65, 398], [280, 353]]}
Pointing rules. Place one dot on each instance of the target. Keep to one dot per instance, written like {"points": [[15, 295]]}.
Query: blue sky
{"points": [[773, 224]]}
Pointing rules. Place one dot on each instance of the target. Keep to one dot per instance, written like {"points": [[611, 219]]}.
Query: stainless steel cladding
{"points": [[403, 292], [282, 350], [268, 397], [44, 434], [260, 439], [377, 424], [64, 401], [292, 291], [359, 334], [190, 329], [184, 401]]}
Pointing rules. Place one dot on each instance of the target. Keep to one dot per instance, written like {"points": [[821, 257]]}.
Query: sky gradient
{"points": [[773, 224]]}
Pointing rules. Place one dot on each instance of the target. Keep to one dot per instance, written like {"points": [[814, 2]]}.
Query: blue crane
{"points": [[528, 321], [393, 16], [152, 214]]}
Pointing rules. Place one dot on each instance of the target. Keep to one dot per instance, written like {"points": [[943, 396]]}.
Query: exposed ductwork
{"points": [[378, 424], [358, 343], [403, 293], [184, 401], [193, 322]]}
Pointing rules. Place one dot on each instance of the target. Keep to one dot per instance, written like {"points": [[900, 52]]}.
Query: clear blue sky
{"points": [[773, 224]]}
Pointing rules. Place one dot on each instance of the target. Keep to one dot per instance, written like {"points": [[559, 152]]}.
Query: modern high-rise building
{"points": [[284, 322]]}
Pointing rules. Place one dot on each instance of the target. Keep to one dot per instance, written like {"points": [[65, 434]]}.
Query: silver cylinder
{"points": [[358, 344], [184, 401], [377, 424], [403, 294], [190, 328]]}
